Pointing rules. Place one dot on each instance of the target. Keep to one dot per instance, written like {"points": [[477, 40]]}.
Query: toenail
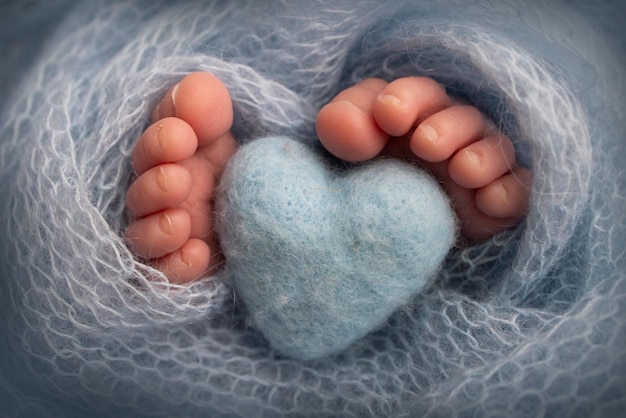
{"points": [[165, 222], [504, 192], [184, 258], [174, 91], [429, 133], [156, 112], [161, 135], [474, 158], [389, 99], [161, 179]]}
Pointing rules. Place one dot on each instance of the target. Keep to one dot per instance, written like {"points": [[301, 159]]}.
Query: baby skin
{"points": [[179, 158]]}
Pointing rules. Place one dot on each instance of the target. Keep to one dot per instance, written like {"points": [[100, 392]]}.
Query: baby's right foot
{"points": [[178, 161], [413, 118]]}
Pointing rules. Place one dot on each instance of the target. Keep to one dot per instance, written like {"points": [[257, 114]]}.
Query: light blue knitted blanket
{"points": [[531, 323]]}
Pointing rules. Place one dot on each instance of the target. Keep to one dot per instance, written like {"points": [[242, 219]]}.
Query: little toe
{"points": [[507, 197], [168, 140], [201, 100], [482, 162], [159, 234], [346, 127], [187, 263], [405, 102], [439, 136], [161, 187]]}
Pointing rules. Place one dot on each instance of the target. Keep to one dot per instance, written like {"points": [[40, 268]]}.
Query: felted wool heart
{"points": [[322, 256]]}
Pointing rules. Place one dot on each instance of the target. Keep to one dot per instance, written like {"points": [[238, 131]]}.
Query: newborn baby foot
{"points": [[178, 161], [413, 118]]}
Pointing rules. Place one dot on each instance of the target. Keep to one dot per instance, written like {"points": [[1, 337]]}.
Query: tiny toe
{"points": [[474, 225], [482, 162], [439, 136], [405, 102], [507, 197], [159, 234], [349, 133], [346, 126], [201, 100], [168, 140], [186, 264], [161, 187]]}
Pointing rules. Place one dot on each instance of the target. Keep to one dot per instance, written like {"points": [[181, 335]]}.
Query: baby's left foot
{"points": [[178, 161], [413, 118]]}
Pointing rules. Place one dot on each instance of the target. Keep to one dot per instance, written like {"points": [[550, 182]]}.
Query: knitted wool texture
{"points": [[530, 323], [322, 257]]}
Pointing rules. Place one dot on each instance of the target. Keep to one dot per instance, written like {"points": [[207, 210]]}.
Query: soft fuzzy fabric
{"points": [[320, 256], [528, 324]]}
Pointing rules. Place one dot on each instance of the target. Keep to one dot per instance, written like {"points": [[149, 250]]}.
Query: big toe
{"points": [[201, 100]]}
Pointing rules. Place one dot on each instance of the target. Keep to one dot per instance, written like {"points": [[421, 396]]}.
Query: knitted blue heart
{"points": [[322, 256]]}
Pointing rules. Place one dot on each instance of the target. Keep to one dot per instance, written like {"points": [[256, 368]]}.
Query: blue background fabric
{"points": [[529, 324]]}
